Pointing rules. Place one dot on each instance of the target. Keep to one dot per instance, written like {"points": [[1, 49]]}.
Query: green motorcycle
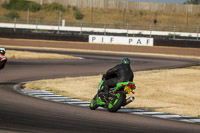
{"points": [[116, 98]]}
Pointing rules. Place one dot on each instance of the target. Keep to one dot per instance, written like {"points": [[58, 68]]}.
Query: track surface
{"points": [[20, 113]]}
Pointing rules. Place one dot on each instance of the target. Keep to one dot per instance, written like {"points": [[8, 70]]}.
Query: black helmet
{"points": [[2, 51], [126, 61]]}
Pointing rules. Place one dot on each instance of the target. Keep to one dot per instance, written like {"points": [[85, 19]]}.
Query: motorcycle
{"points": [[116, 97], [3, 59]]}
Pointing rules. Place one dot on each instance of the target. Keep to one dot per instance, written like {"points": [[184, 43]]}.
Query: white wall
{"points": [[100, 30]]}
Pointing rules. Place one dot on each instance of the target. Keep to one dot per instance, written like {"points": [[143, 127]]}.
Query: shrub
{"points": [[78, 15], [68, 9], [34, 7], [5, 5], [53, 7], [68, 6], [14, 5], [141, 13], [21, 5], [12, 14], [75, 8]]}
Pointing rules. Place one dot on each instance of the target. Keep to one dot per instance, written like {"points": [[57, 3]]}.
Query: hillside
{"points": [[113, 18]]}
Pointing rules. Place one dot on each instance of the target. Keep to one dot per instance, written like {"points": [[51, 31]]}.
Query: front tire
{"points": [[93, 103], [113, 106]]}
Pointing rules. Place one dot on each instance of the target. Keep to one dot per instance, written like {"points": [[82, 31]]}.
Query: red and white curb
{"points": [[46, 95]]}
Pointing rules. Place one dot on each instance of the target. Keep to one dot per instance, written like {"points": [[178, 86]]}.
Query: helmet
{"points": [[2, 51], [125, 61]]}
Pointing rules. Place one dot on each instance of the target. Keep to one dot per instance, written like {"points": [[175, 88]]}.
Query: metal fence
{"points": [[173, 31], [154, 27], [129, 5]]}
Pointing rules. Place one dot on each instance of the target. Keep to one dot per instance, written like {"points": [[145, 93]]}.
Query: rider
{"points": [[120, 73], [3, 58]]}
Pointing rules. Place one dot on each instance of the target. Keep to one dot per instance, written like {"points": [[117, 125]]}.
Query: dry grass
{"points": [[12, 54], [117, 17], [171, 91], [79, 87]]}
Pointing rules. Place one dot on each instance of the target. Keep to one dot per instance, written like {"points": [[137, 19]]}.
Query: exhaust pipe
{"points": [[129, 100]]}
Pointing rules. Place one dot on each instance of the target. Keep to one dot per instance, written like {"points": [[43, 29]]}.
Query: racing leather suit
{"points": [[117, 74]]}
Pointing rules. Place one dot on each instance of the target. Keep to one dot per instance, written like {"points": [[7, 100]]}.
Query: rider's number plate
{"points": [[128, 89]]}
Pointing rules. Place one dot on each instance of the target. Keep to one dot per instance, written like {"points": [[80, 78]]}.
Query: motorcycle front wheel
{"points": [[93, 103], [113, 106]]}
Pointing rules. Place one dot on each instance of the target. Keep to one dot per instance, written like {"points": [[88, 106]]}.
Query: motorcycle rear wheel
{"points": [[93, 103], [113, 106]]}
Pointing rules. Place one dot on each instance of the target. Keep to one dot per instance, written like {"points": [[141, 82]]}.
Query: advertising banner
{"points": [[141, 41]]}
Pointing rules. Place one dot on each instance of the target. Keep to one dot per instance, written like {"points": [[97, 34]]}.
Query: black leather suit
{"points": [[117, 74]]}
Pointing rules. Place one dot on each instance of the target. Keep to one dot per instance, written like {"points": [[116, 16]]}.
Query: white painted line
{"points": [[186, 120], [152, 113], [39, 91], [75, 102], [168, 116], [148, 113], [130, 110], [196, 120], [84, 105], [42, 95], [59, 100], [137, 113], [82, 102]]}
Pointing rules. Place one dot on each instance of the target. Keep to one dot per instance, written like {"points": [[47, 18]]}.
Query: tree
{"points": [[194, 2]]}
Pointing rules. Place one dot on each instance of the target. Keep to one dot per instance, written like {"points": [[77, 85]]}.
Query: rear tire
{"points": [[124, 102], [93, 104], [115, 105]]}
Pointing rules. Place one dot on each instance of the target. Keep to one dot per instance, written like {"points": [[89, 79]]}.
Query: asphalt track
{"points": [[20, 113]]}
